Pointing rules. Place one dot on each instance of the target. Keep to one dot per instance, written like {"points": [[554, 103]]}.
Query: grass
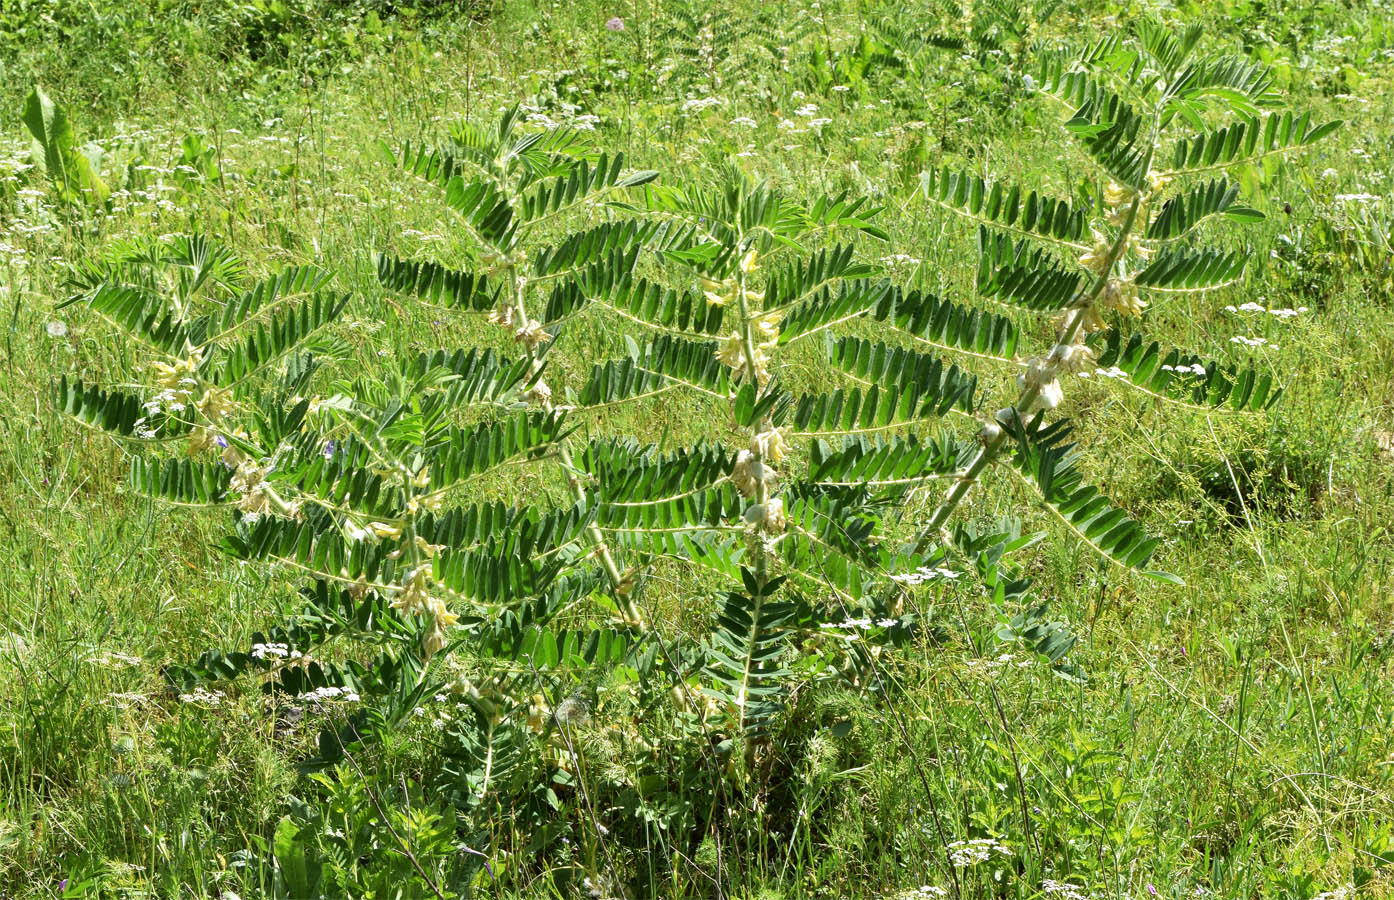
{"points": [[1235, 737]]}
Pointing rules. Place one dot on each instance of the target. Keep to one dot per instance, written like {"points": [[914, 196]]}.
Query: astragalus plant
{"points": [[481, 509]]}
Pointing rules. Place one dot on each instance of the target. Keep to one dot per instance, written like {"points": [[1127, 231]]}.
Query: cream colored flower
{"points": [[769, 445], [1116, 195], [732, 351], [1097, 259], [768, 517], [531, 334], [201, 439], [767, 330], [386, 530], [1073, 357], [1122, 296], [215, 403], [749, 472]]}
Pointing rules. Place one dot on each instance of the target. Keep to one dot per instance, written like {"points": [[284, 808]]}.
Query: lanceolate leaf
{"points": [[624, 473], [315, 546], [1049, 464], [948, 326], [666, 363], [467, 452], [641, 301], [1192, 270], [1248, 139], [438, 285], [745, 649], [118, 412], [583, 182], [1186, 378], [921, 381], [143, 314], [283, 332], [895, 464], [1014, 273], [1003, 205], [485, 210], [270, 294], [831, 307], [585, 248], [182, 481], [1182, 214], [802, 277], [474, 376], [1109, 129]]}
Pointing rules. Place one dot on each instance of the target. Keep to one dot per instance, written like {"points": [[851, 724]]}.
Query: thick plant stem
{"points": [[752, 371], [993, 446], [626, 606]]}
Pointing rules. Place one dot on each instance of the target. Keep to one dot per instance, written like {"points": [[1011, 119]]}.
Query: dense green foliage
{"points": [[507, 479]]}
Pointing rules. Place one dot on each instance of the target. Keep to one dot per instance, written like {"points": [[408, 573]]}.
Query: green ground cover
{"points": [[1230, 737]]}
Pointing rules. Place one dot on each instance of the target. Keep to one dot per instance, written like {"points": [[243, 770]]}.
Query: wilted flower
{"points": [[530, 334], [1123, 297], [56, 329], [539, 393]]}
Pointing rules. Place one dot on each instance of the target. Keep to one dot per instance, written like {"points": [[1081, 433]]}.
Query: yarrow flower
{"points": [[977, 850]]}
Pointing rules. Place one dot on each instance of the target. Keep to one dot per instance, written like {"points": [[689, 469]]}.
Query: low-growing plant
{"points": [[792, 490]]}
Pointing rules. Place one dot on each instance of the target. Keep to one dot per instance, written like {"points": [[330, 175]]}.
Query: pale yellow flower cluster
{"points": [[179, 376], [732, 351], [753, 470], [768, 517], [1042, 377], [415, 598], [531, 334]]}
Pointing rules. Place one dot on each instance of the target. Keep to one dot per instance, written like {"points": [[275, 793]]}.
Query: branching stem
{"points": [[993, 446]]}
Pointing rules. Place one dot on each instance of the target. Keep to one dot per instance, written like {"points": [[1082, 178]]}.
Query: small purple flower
{"points": [[614, 24], [328, 449], [1151, 891], [220, 441], [63, 885]]}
